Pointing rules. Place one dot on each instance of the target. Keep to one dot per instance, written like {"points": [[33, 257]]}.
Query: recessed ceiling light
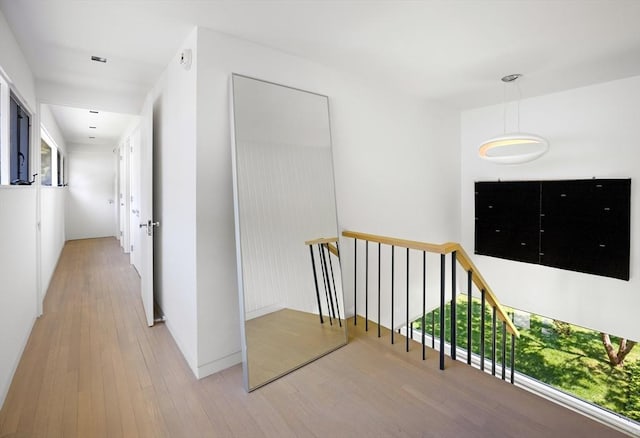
{"points": [[99, 59], [92, 127], [91, 137], [93, 112]]}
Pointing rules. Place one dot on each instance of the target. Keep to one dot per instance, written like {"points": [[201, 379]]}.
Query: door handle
{"points": [[149, 226]]}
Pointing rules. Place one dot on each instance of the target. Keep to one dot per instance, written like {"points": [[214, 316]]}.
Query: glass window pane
{"points": [[45, 163]]}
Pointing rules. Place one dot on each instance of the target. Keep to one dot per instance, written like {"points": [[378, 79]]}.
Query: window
{"points": [[4, 130], [46, 164], [60, 169], [52, 160], [18, 143], [568, 357]]}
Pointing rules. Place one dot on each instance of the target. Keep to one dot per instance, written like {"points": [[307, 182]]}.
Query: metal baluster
{"points": [[513, 351], [379, 304], [407, 338], [335, 291], [324, 250], [392, 281], [469, 314], [424, 299], [504, 349], [324, 280], [315, 280], [483, 309], [493, 340], [454, 297], [355, 281], [442, 310], [366, 287]]}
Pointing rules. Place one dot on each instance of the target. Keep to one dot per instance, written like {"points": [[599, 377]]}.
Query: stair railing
{"points": [[458, 256]]}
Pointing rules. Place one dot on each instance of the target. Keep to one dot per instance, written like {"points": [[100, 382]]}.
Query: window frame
{"points": [[27, 155], [43, 180], [7, 93], [56, 173]]}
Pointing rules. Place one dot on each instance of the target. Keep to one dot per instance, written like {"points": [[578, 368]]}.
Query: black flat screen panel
{"points": [[507, 222], [578, 225], [585, 226]]}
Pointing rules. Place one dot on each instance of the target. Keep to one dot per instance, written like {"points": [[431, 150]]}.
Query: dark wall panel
{"points": [[586, 226], [579, 225], [507, 221]]}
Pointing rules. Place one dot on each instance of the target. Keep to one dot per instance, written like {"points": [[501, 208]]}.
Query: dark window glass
{"points": [[19, 144], [60, 182]]}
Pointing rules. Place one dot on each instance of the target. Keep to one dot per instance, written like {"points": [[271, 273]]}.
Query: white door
{"points": [[121, 197], [147, 222], [136, 163]]}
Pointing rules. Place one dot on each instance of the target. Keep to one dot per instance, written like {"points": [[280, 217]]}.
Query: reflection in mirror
{"points": [[286, 229]]}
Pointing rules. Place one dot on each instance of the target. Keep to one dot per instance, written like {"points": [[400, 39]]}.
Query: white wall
{"points": [[52, 222], [89, 201], [15, 65], [18, 288], [396, 161], [173, 100], [18, 294], [593, 133]]}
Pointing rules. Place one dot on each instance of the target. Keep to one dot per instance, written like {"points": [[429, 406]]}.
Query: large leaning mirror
{"points": [[286, 229]]}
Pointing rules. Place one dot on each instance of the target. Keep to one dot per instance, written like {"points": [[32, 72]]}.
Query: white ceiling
{"points": [[75, 125], [446, 50]]}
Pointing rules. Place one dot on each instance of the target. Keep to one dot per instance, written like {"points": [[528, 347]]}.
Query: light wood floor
{"points": [[281, 341], [93, 369]]}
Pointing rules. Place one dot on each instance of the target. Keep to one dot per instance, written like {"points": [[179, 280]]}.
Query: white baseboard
{"points": [[194, 369], [4, 390], [219, 365]]}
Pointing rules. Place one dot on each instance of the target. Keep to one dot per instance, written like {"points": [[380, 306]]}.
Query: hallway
{"points": [[92, 368]]}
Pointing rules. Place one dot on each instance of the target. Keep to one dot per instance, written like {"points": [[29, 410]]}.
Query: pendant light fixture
{"points": [[515, 147]]}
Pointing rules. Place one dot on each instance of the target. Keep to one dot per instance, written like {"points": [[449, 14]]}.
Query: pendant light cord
{"points": [[504, 108], [519, 99], [504, 105]]}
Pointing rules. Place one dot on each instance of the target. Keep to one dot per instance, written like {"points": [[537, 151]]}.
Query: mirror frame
{"points": [[236, 208]]}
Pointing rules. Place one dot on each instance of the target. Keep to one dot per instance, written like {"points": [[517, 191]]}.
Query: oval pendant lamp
{"points": [[516, 147]]}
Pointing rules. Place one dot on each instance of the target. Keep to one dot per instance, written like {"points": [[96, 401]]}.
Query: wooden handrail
{"points": [[445, 248], [326, 241], [321, 240]]}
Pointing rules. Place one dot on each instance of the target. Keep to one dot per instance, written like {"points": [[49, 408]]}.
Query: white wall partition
{"points": [[18, 269], [592, 131], [18, 293], [396, 162], [90, 203], [173, 102], [52, 217]]}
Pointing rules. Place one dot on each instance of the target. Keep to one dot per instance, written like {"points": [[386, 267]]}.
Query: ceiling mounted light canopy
{"points": [[516, 147]]}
